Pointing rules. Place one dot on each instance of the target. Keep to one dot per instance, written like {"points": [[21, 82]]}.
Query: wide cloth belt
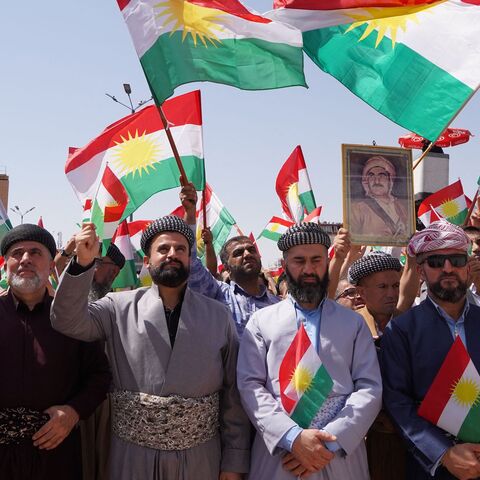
{"points": [[164, 423], [20, 423]]}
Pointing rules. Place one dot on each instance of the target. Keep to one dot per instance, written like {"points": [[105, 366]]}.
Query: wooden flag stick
{"points": [[239, 230], [470, 210], [183, 175], [423, 155], [204, 206]]}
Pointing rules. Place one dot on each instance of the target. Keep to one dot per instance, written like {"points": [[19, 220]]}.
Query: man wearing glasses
{"points": [[415, 345]]}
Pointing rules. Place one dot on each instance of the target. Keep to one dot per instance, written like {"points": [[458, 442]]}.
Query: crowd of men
{"points": [[181, 380]]}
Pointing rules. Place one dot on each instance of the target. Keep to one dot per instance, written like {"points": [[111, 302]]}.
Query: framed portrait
{"points": [[378, 199]]}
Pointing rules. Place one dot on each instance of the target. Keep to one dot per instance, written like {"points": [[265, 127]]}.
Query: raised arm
{"points": [[70, 313], [341, 247]]}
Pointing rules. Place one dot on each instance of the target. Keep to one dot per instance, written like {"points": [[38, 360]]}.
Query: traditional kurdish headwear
{"points": [[440, 234], [306, 233], [169, 223], [379, 161], [116, 256], [372, 263], [28, 232]]}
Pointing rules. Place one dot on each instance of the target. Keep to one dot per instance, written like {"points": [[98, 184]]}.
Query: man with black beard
{"points": [[415, 345], [176, 412], [332, 447], [244, 294]]}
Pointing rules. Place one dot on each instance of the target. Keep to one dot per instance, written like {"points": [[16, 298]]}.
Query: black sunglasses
{"points": [[438, 261]]}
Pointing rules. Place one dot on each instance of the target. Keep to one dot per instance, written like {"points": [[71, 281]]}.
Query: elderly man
{"points": [[175, 405], [244, 294], [48, 381], [379, 212], [332, 445], [415, 345]]}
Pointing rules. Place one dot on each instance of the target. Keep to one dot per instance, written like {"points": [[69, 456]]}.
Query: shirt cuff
{"points": [[286, 442], [437, 463], [76, 269], [332, 446]]}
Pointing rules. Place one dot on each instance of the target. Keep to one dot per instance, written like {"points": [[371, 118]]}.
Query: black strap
{"points": [[382, 214]]}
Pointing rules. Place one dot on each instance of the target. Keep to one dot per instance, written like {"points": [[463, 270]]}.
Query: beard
{"points": [[169, 277], [241, 274], [98, 290], [25, 285], [304, 292], [450, 295]]}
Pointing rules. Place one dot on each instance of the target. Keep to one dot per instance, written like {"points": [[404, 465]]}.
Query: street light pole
{"points": [[20, 213]]}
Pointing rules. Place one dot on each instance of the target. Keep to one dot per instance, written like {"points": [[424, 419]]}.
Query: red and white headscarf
{"points": [[438, 235]]}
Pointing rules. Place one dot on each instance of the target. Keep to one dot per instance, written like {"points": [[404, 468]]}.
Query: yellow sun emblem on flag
{"points": [[135, 154], [200, 22], [449, 208], [301, 379], [386, 21], [466, 392]]}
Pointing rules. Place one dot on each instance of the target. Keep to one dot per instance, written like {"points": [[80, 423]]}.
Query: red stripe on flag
{"points": [[138, 226], [113, 185], [232, 7], [282, 221], [292, 357], [180, 110], [339, 4], [440, 391]]}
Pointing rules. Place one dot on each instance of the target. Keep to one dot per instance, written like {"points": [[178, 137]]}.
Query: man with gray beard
{"points": [[414, 347], [48, 381], [332, 446]]}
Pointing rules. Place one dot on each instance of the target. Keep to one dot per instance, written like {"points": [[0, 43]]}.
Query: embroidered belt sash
{"points": [[164, 423], [20, 423]]}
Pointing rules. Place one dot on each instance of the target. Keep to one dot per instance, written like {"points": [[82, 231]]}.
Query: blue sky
{"points": [[58, 60]]}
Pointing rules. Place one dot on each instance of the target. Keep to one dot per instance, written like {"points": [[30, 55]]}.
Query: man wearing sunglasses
{"points": [[415, 345]]}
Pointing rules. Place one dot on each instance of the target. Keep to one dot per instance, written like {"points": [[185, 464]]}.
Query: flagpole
{"points": [[95, 196], [204, 207], [171, 141], [417, 163], [470, 210]]}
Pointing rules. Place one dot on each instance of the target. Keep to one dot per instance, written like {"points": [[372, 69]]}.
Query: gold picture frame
{"points": [[378, 198]]}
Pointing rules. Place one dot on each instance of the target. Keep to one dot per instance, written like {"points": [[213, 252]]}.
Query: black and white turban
{"points": [[116, 256], [169, 223], [306, 233], [372, 263]]}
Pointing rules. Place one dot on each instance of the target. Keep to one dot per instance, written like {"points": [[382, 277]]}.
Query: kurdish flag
{"points": [[314, 215], [293, 187], [182, 41], [416, 62], [304, 381], [5, 224], [453, 400], [108, 207], [219, 220], [127, 277], [449, 203], [138, 153], [275, 228]]}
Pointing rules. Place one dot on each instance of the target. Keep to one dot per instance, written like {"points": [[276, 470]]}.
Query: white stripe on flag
{"points": [[303, 181]]}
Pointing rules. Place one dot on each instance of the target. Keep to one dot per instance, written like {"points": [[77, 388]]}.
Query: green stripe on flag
{"points": [[470, 429], [308, 200], [229, 62], [458, 219], [398, 82], [271, 235], [161, 176], [313, 398]]}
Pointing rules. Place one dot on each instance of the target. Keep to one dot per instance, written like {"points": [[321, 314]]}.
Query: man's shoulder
{"points": [[340, 313], [127, 296], [412, 318]]}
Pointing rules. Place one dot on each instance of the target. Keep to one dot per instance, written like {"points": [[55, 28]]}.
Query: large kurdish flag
{"points": [[220, 41], [304, 381], [137, 151], [453, 400], [417, 63]]}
